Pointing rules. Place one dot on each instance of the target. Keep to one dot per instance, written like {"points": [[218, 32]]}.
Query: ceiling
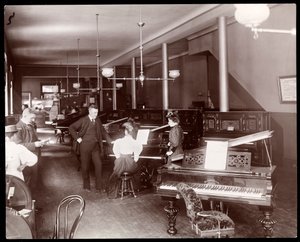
{"points": [[48, 34]]}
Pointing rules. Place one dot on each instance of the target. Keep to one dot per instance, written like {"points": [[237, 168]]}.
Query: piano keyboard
{"points": [[220, 190]]}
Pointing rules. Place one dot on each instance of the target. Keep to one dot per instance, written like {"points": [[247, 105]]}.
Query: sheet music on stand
{"points": [[142, 136], [216, 155]]}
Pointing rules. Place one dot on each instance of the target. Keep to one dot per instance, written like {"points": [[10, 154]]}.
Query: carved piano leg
{"points": [[267, 222], [171, 211]]}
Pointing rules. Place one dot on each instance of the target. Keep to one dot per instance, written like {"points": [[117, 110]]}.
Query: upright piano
{"points": [[249, 176], [153, 154]]}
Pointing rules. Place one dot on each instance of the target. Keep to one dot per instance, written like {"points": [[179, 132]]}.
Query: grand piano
{"points": [[249, 176]]}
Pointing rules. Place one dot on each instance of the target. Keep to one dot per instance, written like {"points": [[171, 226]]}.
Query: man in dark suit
{"points": [[27, 136], [88, 132]]}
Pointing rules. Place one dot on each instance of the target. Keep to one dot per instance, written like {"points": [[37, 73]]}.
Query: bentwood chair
{"points": [[71, 214]]}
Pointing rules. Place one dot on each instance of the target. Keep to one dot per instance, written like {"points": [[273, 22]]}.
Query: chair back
{"points": [[192, 202], [18, 197], [71, 219]]}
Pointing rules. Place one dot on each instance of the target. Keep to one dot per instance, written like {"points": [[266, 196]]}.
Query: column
{"points": [[101, 93], [165, 93], [223, 76], [114, 91], [133, 84]]}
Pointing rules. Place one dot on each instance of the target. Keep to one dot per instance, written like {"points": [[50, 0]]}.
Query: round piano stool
{"points": [[126, 184]]}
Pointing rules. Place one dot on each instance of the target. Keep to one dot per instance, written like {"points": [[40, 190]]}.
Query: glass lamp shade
{"points": [[107, 72], [62, 90], [76, 85], [251, 15], [174, 73], [141, 77]]}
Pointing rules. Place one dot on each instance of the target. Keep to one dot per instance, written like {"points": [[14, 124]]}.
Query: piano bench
{"points": [[126, 184]]}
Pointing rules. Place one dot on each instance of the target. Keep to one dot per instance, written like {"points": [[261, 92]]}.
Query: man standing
{"points": [[27, 137], [88, 132], [17, 157]]}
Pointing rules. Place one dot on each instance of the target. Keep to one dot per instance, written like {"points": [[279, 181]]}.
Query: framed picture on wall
{"points": [[287, 89]]}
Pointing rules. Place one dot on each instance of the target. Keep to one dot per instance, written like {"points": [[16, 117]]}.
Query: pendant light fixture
{"points": [[173, 74], [105, 71], [252, 15]]}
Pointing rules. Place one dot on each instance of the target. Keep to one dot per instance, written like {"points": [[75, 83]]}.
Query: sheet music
{"points": [[142, 136], [216, 155]]}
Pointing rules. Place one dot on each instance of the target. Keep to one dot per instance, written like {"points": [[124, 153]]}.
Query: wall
{"points": [[239, 97], [188, 87], [285, 125]]}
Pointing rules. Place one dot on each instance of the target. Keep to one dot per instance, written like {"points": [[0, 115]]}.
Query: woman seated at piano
{"points": [[176, 137], [127, 151]]}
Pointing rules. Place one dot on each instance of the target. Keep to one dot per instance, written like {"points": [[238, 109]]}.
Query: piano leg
{"points": [[172, 212], [267, 222]]}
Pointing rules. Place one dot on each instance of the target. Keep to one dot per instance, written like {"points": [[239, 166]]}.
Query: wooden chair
{"points": [[63, 211], [18, 197], [210, 223]]}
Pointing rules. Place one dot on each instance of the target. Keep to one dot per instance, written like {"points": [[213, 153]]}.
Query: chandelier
{"points": [[173, 74], [252, 15], [106, 72]]}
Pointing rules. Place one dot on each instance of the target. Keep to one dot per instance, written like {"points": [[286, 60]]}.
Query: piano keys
{"points": [[254, 187], [219, 191]]}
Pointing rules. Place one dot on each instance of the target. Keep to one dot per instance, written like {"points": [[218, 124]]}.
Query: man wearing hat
{"points": [[17, 156]]}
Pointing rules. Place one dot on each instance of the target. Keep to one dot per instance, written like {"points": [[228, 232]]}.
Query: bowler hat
{"points": [[11, 128]]}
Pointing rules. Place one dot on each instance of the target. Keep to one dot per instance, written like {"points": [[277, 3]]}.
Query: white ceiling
{"points": [[47, 34]]}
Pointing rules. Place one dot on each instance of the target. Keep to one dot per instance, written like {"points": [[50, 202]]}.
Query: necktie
{"points": [[93, 121]]}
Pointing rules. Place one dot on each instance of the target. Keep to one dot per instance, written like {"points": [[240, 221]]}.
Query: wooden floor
{"points": [[143, 217]]}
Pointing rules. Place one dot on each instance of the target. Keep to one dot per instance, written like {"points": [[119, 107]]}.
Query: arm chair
{"points": [[63, 211], [208, 223]]}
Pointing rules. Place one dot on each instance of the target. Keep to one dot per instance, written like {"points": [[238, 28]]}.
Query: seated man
{"points": [[17, 156]]}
